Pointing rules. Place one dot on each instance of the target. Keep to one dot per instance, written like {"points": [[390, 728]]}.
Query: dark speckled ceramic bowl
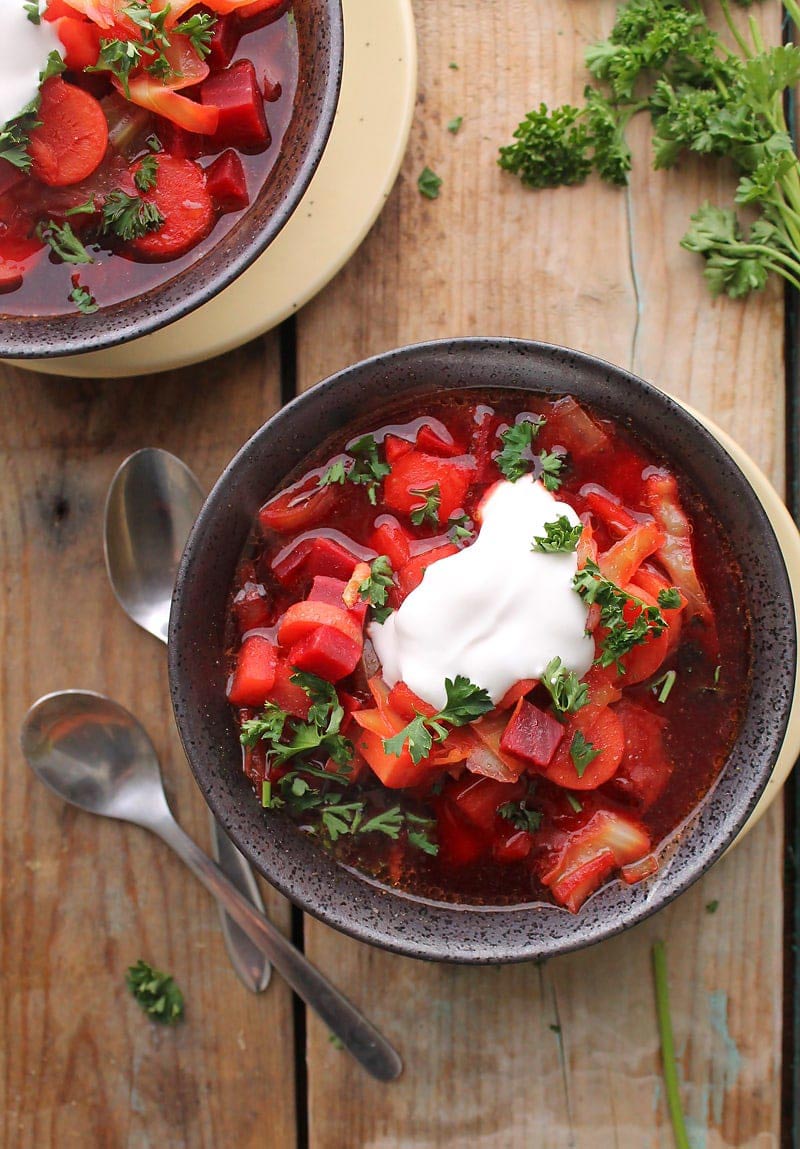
{"points": [[320, 37], [290, 860]]}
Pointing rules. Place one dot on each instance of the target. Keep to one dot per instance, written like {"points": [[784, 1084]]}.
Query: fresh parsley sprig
{"points": [[285, 737], [560, 537], [63, 242], [515, 458], [375, 589], [521, 816], [156, 992], [362, 466], [200, 29], [429, 507], [465, 703], [567, 692], [616, 608], [130, 217]]}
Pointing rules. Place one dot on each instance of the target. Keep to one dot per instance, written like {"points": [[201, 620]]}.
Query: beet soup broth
{"points": [[489, 649]]}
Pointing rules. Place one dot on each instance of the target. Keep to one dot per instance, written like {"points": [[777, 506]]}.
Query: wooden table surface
{"points": [[555, 1055]]}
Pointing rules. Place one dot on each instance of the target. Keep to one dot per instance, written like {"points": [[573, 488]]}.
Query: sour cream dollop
{"points": [[497, 611], [24, 48]]}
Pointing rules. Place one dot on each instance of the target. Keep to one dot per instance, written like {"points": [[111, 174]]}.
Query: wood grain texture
{"points": [[82, 898], [598, 269]]}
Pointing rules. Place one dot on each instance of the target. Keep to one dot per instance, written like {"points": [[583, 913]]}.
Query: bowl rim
{"points": [[110, 330], [375, 914]]}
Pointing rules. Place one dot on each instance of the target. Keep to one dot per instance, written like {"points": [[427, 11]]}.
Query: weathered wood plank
{"points": [[83, 898], [600, 270]]}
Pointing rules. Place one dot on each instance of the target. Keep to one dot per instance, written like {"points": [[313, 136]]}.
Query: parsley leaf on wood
{"points": [[465, 703], [156, 992], [560, 537], [455, 124], [515, 459], [429, 183]]}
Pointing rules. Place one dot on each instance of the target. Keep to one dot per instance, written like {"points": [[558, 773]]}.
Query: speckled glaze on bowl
{"points": [[289, 859], [320, 37]]}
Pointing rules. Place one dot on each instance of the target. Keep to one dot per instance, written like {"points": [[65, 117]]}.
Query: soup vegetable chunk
{"points": [[490, 651], [133, 134]]}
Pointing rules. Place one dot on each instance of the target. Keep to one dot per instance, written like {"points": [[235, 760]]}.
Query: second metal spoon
{"points": [[151, 506]]}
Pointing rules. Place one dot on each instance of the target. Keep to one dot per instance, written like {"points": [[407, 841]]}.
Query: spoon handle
{"points": [[358, 1036], [247, 959]]}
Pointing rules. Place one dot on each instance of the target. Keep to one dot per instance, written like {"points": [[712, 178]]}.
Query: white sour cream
{"points": [[24, 48], [495, 612]]}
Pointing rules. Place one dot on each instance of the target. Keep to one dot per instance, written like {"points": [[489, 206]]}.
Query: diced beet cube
{"points": [[310, 557], [251, 607], [330, 590], [532, 734], [177, 141], [326, 652], [242, 122], [254, 676], [223, 43], [226, 182]]}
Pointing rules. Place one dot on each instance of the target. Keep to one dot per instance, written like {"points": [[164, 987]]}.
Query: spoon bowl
{"points": [[92, 753], [151, 506]]}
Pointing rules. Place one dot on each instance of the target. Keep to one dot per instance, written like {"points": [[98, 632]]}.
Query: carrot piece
{"points": [[71, 139], [622, 560], [181, 197], [254, 676], [81, 40]]}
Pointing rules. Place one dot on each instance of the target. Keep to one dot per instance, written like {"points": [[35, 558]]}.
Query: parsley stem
{"points": [[671, 1083], [744, 47]]}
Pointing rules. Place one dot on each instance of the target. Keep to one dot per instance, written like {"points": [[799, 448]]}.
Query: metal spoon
{"points": [[151, 505], [91, 752]]}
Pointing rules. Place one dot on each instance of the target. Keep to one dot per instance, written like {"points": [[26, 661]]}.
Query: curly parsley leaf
{"points": [[669, 598], [520, 816], [375, 589], [516, 458], [465, 703], [560, 537], [429, 508], [200, 30], [362, 466], [550, 466], [63, 242], [129, 217], [146, 173], [628, 620], [156, 992], [582, 753], [460, 528], [567, 692], [120, 58], [83, 299]]}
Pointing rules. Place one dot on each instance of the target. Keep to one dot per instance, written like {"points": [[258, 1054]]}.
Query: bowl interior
{"points": [[320, 33], [291, 860]]}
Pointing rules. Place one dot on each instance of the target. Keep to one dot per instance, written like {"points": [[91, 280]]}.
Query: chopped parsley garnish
{"points": [[130, 217], [712, 906], [550, 465], [82, 298], [63, 242], [717, 671], [154, 143], [465, 703], [515, 458], [156, 992], [15, 133], [582, 753], [87, 208], [565, 689], [32, 11], [669, 598], [457, 529], [628, 620], [362, 466], [146, 173], [455, 124], [54, 67], [375, 589], [574, 803], [560, 537], [200, 30], [120, 58], [662, 687], [453, 65], [518, 814], [286, 737], [429, 508], [429, 183]]}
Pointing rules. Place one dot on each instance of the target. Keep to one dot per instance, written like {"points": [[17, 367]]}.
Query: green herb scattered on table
{"points": [[156, 992], [664, 59], [429, 183], [455, 124]]}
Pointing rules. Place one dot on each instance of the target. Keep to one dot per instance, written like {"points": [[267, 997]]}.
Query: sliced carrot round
{"points": [[180, 195], [605, 732], [71, 140]]}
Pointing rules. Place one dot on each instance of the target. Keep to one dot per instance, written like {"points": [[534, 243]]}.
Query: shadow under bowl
{"points": [[320, 39], [291, 860]]}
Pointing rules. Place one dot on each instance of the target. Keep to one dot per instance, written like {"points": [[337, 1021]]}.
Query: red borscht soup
{"points": [[153, 127], [492, 650]]}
